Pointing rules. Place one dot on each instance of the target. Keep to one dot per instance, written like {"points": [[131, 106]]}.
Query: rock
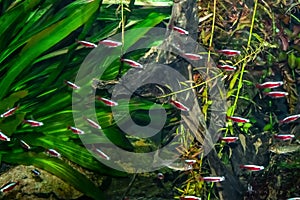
{"points": [[45, 186]]}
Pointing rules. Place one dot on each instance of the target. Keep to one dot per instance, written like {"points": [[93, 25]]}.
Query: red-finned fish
{"points": [[229, 52], [110, 43], [179, 105], [270, 84], [107, 101], [192, 56], [229, 139], [238, 119], [102, 154], [276, 94], [53, 153], [10, 112], [8, 186], [190, 198], [284, 137], [190, 162], [227, 67], [160, 176], [4, 137], [33, 123], [181, 31], [92, 123], [132, 63], [25, 145], [72, 85], [290, 119], [76, 130], [213, 179], [253, 168], [87, 44]]}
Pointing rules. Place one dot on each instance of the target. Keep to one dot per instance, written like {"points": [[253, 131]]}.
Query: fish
{"points": [[190, 198], [102, 154], [213, 179], [132, 63], [72, 85], [53, 153], [33, 123], [284, 149], [179, 105], [4, 137], [87, 44], [190, 162], [270, 84], [192, 56], [276, 94], [284, 137], [290, 119], [92, 123], [25, 145], [229, 139], [75, 130], [160, 176], [229, 52], [294, 198], [8, 186], [181, 31], [238, 119], [227, 67], [36, 172], [10, 112], [252, 168], [107, 101], [110, 43]]}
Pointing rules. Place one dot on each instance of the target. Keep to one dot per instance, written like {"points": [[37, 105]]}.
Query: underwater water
{"points": [[142, 100]]}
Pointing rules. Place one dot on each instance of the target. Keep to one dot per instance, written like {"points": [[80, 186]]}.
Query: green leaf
{"points": [[44, 40]]}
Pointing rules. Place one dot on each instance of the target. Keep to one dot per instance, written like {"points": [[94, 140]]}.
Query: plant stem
{"points": [[245, 61]]}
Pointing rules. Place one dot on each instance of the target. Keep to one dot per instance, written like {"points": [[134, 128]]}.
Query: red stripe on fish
{"points": [[190, 162], [76, 130], [229, 52], [270, 84], [180, 30], [87, 44], [10, 112], [4, 137], [8, 186], [238, 119], [192, 56], [53, 153], [227, 67], [24, 145], [107, 101], [132, 63], [102, 154], [290, 119], [92, 123], [284, 137], [72, 85], [213, 179], [110, 43], [276, 94], [33, 123], [229, 139], [252, 167], [179, 105]]}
